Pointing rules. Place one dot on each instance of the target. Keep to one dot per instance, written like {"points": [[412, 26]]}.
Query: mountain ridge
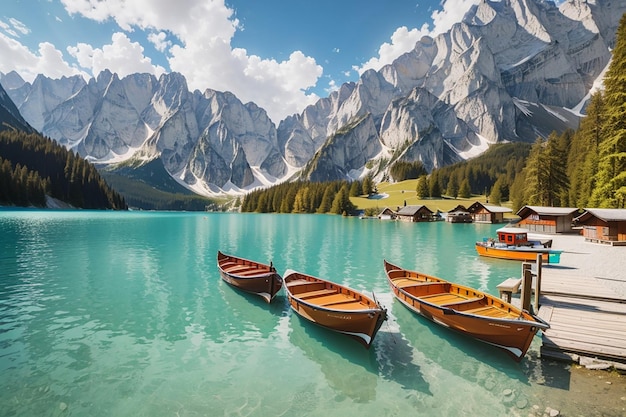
{"points": [[507, 72]]}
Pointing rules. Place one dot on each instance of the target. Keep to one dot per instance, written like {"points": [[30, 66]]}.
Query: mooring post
{"points": [[527, 284], [538, 283]]}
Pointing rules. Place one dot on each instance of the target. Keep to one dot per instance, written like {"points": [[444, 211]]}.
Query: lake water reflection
{"points": [[124, 314]]}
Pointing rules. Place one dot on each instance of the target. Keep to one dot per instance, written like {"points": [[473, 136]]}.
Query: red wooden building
{"points": [[547, 219], [603, 225]]}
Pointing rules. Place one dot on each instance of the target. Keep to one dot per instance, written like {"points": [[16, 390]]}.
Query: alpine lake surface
{"points": [[124, 314]]}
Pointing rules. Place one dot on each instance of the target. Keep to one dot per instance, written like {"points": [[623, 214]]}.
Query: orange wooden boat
{"points": [[513, 244], [249, 276], [334, 306], [468, 311]]}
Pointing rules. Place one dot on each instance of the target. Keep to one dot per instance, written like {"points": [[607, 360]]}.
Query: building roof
{"points": [[546, 211], [411, 210], [488, 207], [608, 215]]}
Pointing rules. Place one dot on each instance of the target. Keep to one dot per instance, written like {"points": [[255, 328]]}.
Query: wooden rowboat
{"points": [[334, 306], [468, 311], [249, 276]]}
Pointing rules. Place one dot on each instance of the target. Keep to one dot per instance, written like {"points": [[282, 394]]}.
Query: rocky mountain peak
{"points": [[509, 71]]}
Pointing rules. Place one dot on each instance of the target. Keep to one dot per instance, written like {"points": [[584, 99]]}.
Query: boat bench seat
{"points": [[297, 282], [236, 267], [462, 301], [334, 299], [489, 311], [441, 298], [407, 282], [255, 271], [314, 294]]}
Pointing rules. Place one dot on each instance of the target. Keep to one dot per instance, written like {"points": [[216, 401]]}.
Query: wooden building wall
{"points": [[597, 229]]}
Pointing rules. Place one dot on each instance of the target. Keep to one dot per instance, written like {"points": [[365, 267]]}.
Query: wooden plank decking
{"points": [[583, 327], [587, 319]]}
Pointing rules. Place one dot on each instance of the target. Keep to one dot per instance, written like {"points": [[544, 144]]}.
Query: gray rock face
{"points": [[503, 73]]}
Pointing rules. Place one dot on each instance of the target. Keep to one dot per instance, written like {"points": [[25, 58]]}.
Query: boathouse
{"points": [[459, 214], [387, 214], [485, 213], [603, 225], [414, 214], [547, 219]]}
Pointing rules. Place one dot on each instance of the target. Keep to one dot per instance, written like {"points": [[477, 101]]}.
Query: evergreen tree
{"points": [[582, 162], [453, 187], [327, 200], [422, 187], [356, 189], [556, 158], [610, 187], [368, 185], [495, 197], [341, 203], [536, 175], [465, 190], [434, 188]]}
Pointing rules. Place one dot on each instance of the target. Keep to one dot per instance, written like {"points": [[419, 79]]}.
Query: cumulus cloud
{"points": [[452, 12], [203, 52], [403, 40], [121, 56], [195, 37], [47, 60], [159, 40]]}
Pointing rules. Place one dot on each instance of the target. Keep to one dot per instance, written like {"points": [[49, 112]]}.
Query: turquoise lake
{"points": [[124, 314]]}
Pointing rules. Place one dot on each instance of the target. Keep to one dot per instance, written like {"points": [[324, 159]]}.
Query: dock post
{"points": [[527, 281], [538, 283]]}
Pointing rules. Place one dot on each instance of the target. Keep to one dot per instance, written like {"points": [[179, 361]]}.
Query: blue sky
{"points": [[283, 55]]}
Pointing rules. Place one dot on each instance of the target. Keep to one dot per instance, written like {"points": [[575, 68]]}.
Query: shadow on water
{"points": [[389, 357], [396, 362], [336, 354], [459, 354], [247, 313]]}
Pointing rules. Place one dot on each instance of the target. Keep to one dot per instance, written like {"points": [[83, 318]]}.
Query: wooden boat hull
{"points": [[517, 254], [249, 276], [334, 307], [465, 310]]}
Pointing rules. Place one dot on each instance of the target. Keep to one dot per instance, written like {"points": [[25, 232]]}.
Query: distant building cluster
{"points": [[596, 225]]}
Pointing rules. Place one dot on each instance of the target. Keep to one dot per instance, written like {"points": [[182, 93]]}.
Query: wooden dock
{"points": [[587, 320]]}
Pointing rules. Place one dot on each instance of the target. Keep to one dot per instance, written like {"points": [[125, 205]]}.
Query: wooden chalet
{"points": [[459, 214], [414, 214], [387, 214], [485, 213], [603, 225], [547, 219]]}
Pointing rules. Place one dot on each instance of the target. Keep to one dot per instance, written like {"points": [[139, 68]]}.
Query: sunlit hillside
{"points": [[394, 195]]}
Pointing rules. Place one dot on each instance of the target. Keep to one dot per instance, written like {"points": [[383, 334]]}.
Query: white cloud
{"points": [[19, 26], [159, 40], [196, 36], [14, 28], [452, 12], [403, 40], [203, 52], [121, 56], [48, 60]]}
